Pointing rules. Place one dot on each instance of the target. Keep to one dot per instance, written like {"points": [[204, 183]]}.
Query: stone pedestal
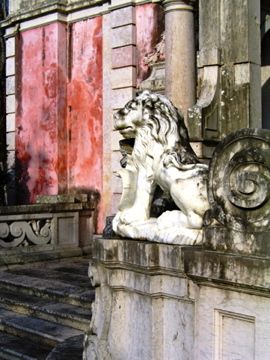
{"points": [[144, 305], [159, 302]]}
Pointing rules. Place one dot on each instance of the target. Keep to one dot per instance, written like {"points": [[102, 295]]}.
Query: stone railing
{"points": [[56, 225]]}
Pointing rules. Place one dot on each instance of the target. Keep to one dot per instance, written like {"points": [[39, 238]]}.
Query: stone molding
{"points": [[178, 5], [185, 262]]}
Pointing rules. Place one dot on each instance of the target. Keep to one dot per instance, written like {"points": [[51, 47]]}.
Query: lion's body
{"points": [[161, 156]]}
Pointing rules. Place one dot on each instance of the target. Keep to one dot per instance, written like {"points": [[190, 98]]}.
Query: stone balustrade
{"points": [[56, 226]]}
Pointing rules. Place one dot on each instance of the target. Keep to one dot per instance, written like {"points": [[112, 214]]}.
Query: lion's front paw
{"points": [[133, 215]]}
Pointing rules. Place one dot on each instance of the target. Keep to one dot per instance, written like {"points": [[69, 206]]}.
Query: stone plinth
{"points": [[144, 305], [158, 301]]}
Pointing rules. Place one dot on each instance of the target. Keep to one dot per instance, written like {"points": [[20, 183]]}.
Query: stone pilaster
{"points": [[229, 82], [180, 53], [10, 41], [123, 82]]}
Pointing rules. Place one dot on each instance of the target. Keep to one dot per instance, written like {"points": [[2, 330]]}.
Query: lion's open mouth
{"points": [[125, 130]]}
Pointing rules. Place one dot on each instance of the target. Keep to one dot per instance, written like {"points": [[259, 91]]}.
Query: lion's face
{"points": [[129, 118]]}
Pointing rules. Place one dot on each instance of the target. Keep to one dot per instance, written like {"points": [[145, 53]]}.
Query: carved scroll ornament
{"points": [[239, 181], [25, 233]]}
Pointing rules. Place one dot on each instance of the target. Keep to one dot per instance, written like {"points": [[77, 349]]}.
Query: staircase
{"points": [[45, 309]]}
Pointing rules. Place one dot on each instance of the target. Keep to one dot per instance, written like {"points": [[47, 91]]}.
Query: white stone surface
{"points": [[151, 304], [163, 157], [10, 66], [10, 104], [121, 96], [123, 77], [11, 158], [10, 85], [124, 56], [123, 16], [10, 139], [123, 36], [232, 325], [10, 122], [10, 47], [138, 315]]}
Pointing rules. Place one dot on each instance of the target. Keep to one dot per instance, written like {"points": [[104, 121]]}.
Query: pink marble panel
{"points": [[41, 112], [85, 107]]}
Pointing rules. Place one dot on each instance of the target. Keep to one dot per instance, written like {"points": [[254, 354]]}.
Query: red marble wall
{"points": [[85, 106], [149, 25], [41, 112], [59, 109], [85, 90]]}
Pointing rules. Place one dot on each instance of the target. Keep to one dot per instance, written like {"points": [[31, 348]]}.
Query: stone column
{"points": [[180, 53]]}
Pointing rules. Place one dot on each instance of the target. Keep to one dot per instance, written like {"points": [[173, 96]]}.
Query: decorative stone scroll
{"points": [[161, 158], [239, 181], [25, 233]]}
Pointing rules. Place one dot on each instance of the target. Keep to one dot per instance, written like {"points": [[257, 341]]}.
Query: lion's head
{"points": [[154, 117]]}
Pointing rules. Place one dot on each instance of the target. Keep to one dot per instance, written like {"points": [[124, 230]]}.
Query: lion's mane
{"points": [[165, 124]]}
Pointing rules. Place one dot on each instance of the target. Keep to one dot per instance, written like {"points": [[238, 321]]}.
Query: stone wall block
{"points": [[10, 138], [117, 183], [10, 47], [115, 202], [116, 137], [124, 16], [124, 56], [116, 157], [10, 66], [10, 104], [123, 77], [10, 85], [11, 159], [123, 36], [10, 122], [121, 96]]}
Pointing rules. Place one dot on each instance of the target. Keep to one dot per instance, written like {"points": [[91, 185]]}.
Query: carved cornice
{"points": [[27, 12]]}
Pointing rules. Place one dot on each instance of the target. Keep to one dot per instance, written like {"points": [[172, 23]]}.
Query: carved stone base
{"points": [[160, 301]]}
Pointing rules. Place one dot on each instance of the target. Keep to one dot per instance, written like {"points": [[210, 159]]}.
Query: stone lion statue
{"points": [[160, 155]]}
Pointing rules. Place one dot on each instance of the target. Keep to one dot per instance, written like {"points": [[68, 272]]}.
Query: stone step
{"points": [[70, 349], [45, 308], [61, 313], [14, 347], [47, 289], [56, 274], [38, 330]]}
